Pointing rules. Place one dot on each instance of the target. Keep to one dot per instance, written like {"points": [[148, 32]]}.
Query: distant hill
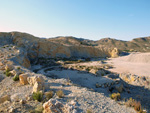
{"points": [[138, 44]]}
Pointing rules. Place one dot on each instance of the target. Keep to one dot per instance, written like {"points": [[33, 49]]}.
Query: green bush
{"points": [[37, 96], [7, 73], [60, 93], [16, 78], [18, 68]]}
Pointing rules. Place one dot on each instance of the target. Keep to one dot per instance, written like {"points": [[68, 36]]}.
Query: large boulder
{"points": [[114, 53], [38, 86], [23, 79], [32, 80]]}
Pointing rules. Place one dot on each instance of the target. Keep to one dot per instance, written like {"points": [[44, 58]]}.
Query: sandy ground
{"points": [[135, 63]]}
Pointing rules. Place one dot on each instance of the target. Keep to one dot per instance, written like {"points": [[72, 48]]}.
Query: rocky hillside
{"points": [[67, 47], [54, 85], [137, 44], [58, 47]]}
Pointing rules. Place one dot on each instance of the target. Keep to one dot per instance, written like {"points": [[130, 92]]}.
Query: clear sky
{"points": [[90, 19]]}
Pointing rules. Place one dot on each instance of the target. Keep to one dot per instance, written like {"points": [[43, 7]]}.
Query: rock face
{"points": [[115, 53], [22, 58], [135, 79], [38, 86], [34, 79], [37, 47]]}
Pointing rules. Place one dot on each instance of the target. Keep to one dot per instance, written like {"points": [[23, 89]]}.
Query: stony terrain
{"points": [[19, 93], [39, 75]]}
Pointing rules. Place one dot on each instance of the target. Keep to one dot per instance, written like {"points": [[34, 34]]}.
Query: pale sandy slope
{"points": [[135, 63]]}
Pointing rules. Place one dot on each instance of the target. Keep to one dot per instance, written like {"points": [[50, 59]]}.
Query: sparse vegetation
{"points": [[135, 104], [16, 78], [106, 66], [60, 93], [49, 95], [72, 62], [115, 96], [7, 73], [37, 96], [18, 68], [68, 81]]}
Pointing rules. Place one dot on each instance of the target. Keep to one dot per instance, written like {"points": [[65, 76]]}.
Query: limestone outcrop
{"points": [[114, 53], [55, 106], [37, 47], [23, 79], [33, 79]]}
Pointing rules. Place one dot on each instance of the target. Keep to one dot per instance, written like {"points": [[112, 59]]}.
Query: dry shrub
{"points": [[60, 93], [88, 111], [136, 104], [49, 94], [115, 96]]}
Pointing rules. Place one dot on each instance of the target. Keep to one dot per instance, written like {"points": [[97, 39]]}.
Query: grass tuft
{"points": [[135, 104], [37, 96], [16, 78], [60, 93], [49, 95]]}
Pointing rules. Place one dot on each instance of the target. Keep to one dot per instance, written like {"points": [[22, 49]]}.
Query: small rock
{"points": [[22, 101], [23, 79], [5, 98], [29, 98], [11, 109]]}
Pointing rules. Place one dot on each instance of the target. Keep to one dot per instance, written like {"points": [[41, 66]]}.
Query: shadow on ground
{"points": [[138, 93]]}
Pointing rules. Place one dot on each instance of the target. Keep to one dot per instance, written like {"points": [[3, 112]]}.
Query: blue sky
{"points": [[90, 19]]}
